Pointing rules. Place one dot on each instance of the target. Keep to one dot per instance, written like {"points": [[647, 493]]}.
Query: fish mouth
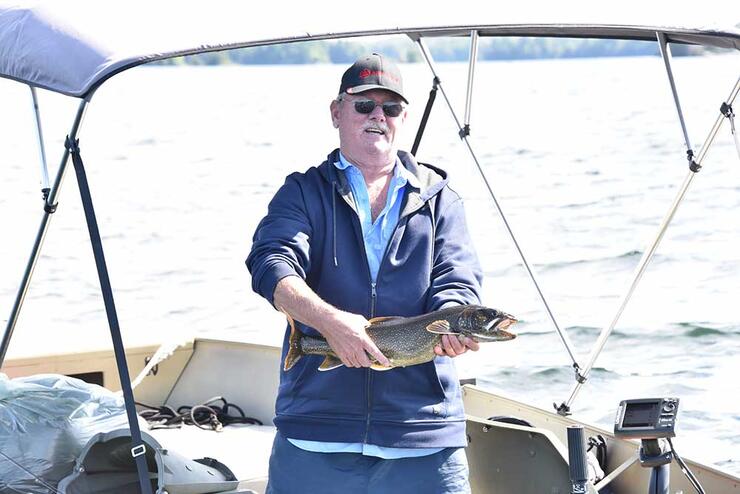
{"points": [[496, 330], [500, 335], [500, 324]]}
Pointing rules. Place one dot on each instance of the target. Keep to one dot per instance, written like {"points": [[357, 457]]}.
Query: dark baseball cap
{"points": [[372, 72]]}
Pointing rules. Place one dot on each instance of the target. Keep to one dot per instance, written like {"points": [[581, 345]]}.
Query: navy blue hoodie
{"points": [[312, 230]]}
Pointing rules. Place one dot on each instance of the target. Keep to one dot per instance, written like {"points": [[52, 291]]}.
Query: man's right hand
{"points": [[346, 335], [344, 331]]}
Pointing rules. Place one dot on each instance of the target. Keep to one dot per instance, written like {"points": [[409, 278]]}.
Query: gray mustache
{"points": [[380, 127]]}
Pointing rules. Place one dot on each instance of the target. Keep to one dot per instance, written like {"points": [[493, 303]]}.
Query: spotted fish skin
{"points": [[410, 340]]}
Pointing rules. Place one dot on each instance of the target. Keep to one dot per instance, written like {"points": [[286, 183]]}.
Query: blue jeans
{"points": [[295, 471]]}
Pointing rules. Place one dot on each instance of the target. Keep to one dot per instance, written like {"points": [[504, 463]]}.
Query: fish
{"points": [[408, 340]]}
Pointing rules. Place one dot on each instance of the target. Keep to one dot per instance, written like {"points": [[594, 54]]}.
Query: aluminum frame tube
{"points": [[647, 256], [471, 75], [563, 336], [42, 149], [717, 124], [666, 54], [49, 205], [428, 57], [637, 276], [731, 116]]}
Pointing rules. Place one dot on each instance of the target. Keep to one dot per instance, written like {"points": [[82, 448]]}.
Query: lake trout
{"points": [[409, 340]]}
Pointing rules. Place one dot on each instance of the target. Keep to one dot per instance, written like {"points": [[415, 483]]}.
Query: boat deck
{"points": [[500, 454]]}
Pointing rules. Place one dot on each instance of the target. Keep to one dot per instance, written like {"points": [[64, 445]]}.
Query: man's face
{"points": [[367, 138]]}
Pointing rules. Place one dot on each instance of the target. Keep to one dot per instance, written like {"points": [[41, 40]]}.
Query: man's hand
{"points": [[346, 335], [344, 331], [453, 345]]}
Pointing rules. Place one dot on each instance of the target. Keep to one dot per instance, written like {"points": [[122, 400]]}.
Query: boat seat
{"points": [[505, 458], [244, 449]]}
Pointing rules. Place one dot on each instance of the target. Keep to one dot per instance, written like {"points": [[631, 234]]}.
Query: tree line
{"points": [[442, 50]]}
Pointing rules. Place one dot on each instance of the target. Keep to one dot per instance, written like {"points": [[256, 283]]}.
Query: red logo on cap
{"points": [[365, 73]]}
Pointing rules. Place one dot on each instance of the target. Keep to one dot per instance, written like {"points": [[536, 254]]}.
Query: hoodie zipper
{"points": [[373, 285], [373, 298], [369, 375], [373, 303]]}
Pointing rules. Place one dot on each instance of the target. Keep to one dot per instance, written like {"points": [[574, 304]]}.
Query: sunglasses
{"points": [[366, 106]]}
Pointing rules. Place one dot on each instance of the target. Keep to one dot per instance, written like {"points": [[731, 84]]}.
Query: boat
{"points": [[74, 49]]}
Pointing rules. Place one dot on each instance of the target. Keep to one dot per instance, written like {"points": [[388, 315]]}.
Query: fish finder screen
{"points": [[641, 414]]}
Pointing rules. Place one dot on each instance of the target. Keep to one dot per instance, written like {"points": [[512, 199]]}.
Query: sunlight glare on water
{"points": [[585, 157]]}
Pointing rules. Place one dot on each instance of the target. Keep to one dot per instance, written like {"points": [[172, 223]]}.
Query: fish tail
{"points": [[294, 344]]}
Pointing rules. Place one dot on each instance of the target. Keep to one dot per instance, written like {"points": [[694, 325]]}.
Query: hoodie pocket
{"points": [[424, 392], [304, 390]]}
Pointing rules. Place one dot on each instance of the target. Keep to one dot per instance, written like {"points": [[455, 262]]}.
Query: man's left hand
{"points": [[453, 345]]}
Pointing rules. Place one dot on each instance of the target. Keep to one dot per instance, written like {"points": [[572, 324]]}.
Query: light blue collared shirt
{"points": [[376, 235]]}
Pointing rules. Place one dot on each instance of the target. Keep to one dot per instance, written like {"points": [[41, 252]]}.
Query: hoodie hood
{"points": [[430, 180]]}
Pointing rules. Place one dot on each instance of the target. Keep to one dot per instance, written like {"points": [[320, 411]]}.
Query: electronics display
{"points": [[646, 418]]}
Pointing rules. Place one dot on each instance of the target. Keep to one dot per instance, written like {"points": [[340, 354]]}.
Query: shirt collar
{"points": [[400, 173]]}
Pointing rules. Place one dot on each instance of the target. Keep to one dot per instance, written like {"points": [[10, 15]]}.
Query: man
{"points": [[370, 232]]}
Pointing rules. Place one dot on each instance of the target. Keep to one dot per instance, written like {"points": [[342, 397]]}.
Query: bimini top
{"points": [[73, 46]]}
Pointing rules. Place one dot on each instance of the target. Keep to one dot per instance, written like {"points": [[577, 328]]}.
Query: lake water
{"points": [[585, 157]]}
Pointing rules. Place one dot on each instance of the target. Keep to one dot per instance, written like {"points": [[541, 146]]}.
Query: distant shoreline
{"points": [[442, 50]]}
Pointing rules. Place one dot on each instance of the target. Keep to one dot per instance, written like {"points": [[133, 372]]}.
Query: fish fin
{"points": [[330, 362], [440, 327], [294, 344], [381, 319]]}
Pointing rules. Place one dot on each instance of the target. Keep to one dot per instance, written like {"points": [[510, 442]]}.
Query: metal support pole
{"points": [[717, 124], [730, 114], [666, 54], [428, 57], [563, 336], [647, 256], [471, 75], [50, 205], [42, 149]]}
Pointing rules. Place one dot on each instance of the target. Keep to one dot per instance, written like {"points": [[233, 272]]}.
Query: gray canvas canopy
{"points": [[71, 47]]}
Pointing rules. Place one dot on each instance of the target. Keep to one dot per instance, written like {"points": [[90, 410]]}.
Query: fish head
{"points": [[486, 324]]}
